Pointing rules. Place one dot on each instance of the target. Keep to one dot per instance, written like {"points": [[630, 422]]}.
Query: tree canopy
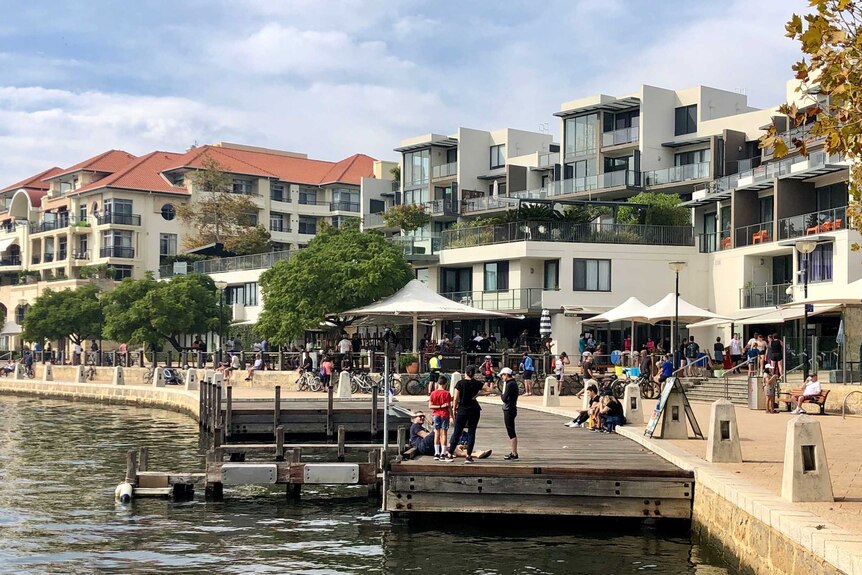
{"points": [[340, 269], [408, 217], [217, 214], [661, 210], [148, 311], [65, 313], [830, 76]]}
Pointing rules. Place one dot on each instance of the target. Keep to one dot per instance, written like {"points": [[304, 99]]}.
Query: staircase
{"points": [[712, 388]]}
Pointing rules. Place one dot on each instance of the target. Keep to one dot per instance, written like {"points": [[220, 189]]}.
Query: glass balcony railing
{"points": [[676, 174], [568, 232], [120, 219], [442, 207], [621, 136], [754, 234], [500, 300], [758, 173], [117, 252], [482, 204], [764, 296], [373, 220], [444, 170], [344, 206], [548, 160], [418, 246], [220, 265], [714, 242], [594, 183], [812, 223]]}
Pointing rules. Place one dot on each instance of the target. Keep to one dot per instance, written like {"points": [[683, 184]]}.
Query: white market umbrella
{"points": [[495, 190], [630, 310], [665, 310]]}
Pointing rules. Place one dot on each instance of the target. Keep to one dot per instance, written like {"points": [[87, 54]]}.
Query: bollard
{"points": [[632, 408], [673, 422], [79, 374], [158, 377], [118, 378], [48, 373], [208, 374], [344, 385], [722, 445], [806, 474], [550, 397], [191, 379], [456, 377]]}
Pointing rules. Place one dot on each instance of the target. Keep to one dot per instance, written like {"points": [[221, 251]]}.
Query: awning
{"points": [[10, 328], [5, 243], [778, 315]]}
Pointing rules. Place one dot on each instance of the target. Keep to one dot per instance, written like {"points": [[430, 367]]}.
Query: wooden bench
{"points": [[819, 399]]}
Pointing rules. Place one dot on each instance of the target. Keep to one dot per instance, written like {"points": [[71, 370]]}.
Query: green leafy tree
{"points": [[338, 270], [148, 311], [65, 313], [830, 78], [408, 217], [396, 173], [256, 240], [216, 214], [660, 210]]}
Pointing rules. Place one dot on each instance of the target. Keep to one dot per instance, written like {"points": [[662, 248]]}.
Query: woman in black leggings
{"points": [[467, 410]]}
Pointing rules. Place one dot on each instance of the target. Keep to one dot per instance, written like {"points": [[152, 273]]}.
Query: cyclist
{"points": [[307, 363], [27, 360], [434, 365]]}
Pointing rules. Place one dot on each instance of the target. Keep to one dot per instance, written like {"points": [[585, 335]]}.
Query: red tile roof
{"points": [[34, 182], [144, 173], [285, 168], [106, 162]]}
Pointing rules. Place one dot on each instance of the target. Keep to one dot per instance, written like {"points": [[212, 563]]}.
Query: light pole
{"points": [[101, 322], [221, 286], [22, 309], [805, 247], [675, 267]]}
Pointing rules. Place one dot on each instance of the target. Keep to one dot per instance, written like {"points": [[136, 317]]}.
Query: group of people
{"points": [[604, 413]]}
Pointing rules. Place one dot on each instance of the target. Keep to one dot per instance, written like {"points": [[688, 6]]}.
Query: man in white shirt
{"points": [[344, 345], [735, 349], [811, 388]]}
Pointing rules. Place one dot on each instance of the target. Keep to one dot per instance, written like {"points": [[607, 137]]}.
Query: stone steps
{"points": [[712, 389]]}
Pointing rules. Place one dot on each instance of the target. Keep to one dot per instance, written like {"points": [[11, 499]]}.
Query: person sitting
{"points": [[611, 414], [423, 441], [810, 389], [9, 367], [666, 369], [584, 414], [256, 366]]}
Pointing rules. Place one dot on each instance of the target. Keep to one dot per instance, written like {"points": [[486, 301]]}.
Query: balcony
{"points": [[439, 208], [10, 261], [444, 170], [48, 258], [632, 234], [119, 219], [549, 159], [714, 242], [418, 248], [35, 260], [484, 203], [344, 207], [117, 252], [812, 223], [754, 234], [375, 221], [620, 137], [220, 265], [80, 257], [676, 174], [279, 226], [503, 300], [764, 296], [279, 196]]}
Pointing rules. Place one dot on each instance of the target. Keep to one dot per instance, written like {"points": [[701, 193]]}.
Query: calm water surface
{"points": [[60, 463]]}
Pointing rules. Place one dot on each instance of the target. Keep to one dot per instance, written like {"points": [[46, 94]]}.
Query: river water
{"points": [[60, 462]]}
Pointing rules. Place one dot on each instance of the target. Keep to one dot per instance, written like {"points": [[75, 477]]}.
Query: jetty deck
{"points": [[560, 471]]}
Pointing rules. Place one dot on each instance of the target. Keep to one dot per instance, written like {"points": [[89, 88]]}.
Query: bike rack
{"points": [[844, 405]]}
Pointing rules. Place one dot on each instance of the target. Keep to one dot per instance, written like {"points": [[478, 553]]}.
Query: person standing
{"points": [[735, 351], [582, 345], [770, 387], [692, 351], [440, 404], [776, 354], [356, 343], [559, 366], [718, 353], [466, 410], [344, 345], [528, 367], [434, 365], [510, 410]]}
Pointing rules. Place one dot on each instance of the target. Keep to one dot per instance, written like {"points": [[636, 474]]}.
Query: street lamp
{"points": [[221, 286], [805, 247], [676, 267], [22, 308], [99, 356]]}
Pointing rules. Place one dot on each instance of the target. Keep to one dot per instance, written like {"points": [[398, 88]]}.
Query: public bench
{"points": [[819, 399]]}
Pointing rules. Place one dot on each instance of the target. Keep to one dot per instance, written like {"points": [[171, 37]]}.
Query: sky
{"points": [[334, 78]]}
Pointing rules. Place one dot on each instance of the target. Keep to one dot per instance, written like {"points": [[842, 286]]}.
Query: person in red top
{"points": [[488, 370], [440, 404]]}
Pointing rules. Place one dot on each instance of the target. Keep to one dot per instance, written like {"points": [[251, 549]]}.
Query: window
{"points": [[621, 120], [167, 245], [417, 167], [307, 225], [377, 206], [308, 196], [122, 272], [592, 275], [62, 244], [276, 222], [244, 294], [121, 207], [20, 312], [685, 120], [345, 200], [243, 187], [279, 193], [496, 276], [552, 275], [338, 221], [834, 196], [451, 155], [580, 135], [169, 212], [422, 275], [819, 263], [498, 156], [117, 243], [82, 213], [767, 207], [83, 246], [693, 157]]}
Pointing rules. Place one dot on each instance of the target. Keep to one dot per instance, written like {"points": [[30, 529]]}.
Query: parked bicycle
{"points": [[418, 384], [648, 388], [360, 381], [393, 383], [309, 380]]}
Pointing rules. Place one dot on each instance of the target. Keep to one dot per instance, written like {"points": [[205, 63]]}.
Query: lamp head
{"points": [[221, 285], [805, 246], [676, 266]]}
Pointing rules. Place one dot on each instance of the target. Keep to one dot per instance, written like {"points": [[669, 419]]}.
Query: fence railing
{"points": [[252, 262], [812, 223], [117, 252], [444, 170], [621, 136], [442, 207], [344, 206], [754, 234], [764, 295], [501, 300], [675, 174], [714, 242], [120, 219], [568, 232], [418, 246]]}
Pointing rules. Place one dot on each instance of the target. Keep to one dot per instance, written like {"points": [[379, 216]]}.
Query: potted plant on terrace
{"points": [[408, 363]]}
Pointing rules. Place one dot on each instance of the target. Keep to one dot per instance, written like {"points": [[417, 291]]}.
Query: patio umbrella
{"points": [[630, 310], [665, 310]]}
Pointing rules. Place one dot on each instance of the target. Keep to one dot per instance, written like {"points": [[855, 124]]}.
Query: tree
{"points": [[65, 313], [255, 241], [148, 311], [830, 77], [396, 173], [408, 217], [338, 270], [661, 210], [217, 215]]}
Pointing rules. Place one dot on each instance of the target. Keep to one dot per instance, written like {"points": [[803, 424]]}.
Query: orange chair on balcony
{"points": [[725, 243], [816, 229], [759, 237]]}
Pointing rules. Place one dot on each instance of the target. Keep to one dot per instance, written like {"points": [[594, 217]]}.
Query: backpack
{"points": [[691, 350]]}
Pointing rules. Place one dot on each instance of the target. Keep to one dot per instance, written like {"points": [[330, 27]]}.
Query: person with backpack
{"points": [[692, 353]]}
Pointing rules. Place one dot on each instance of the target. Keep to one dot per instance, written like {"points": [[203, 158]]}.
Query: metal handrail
{"points": [[727, 373]]}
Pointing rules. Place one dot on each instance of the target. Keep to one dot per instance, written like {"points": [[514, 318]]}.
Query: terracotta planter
{"points": [[413, 368]]}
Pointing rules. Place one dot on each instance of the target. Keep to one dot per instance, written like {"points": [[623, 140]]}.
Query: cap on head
{"points": [[768, 366], [487, 357], [505, 371], [587, 354]]}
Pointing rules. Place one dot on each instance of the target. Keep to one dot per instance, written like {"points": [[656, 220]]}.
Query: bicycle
{"points": [[648, 388], [309, 380], [361, 381], [393, 383], [148, 376], [28, 371], [418, 385]]}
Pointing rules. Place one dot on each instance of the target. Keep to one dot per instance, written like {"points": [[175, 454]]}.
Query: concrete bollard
{"points": [[191, 379], [208, 375], [806, 474], [344, 385], [722, 445], [632, 406], [673, 422], [218, 379], [79, 374], [550, 398], [18, 374], [118, 378], [48, 372], [456, 377], [158, 377]]}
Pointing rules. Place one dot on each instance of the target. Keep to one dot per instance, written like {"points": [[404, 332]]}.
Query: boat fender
{"points": [[124, 492]]}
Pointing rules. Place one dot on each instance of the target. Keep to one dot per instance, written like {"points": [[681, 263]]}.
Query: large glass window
{"points": [[243, 294], [591, 275], [422, 275], [115, 206], [276, 222], [417, 167], [241, 186], [307, 225], [345, 200], [279, 192], [692, 157], [834, 196], [498, 156], [685, 120], [308, 196], [819, 263], [496, 276], [167, 245], [580, 135], [552, 275]]}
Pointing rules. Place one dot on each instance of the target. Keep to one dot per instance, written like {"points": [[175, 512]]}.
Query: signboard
{"points": [[670, 385]]}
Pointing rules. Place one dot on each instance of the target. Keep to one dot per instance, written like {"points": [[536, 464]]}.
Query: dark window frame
{"points": [[576, 286], [685, 120], [498, 154], [556, 276], [501, 271]]}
